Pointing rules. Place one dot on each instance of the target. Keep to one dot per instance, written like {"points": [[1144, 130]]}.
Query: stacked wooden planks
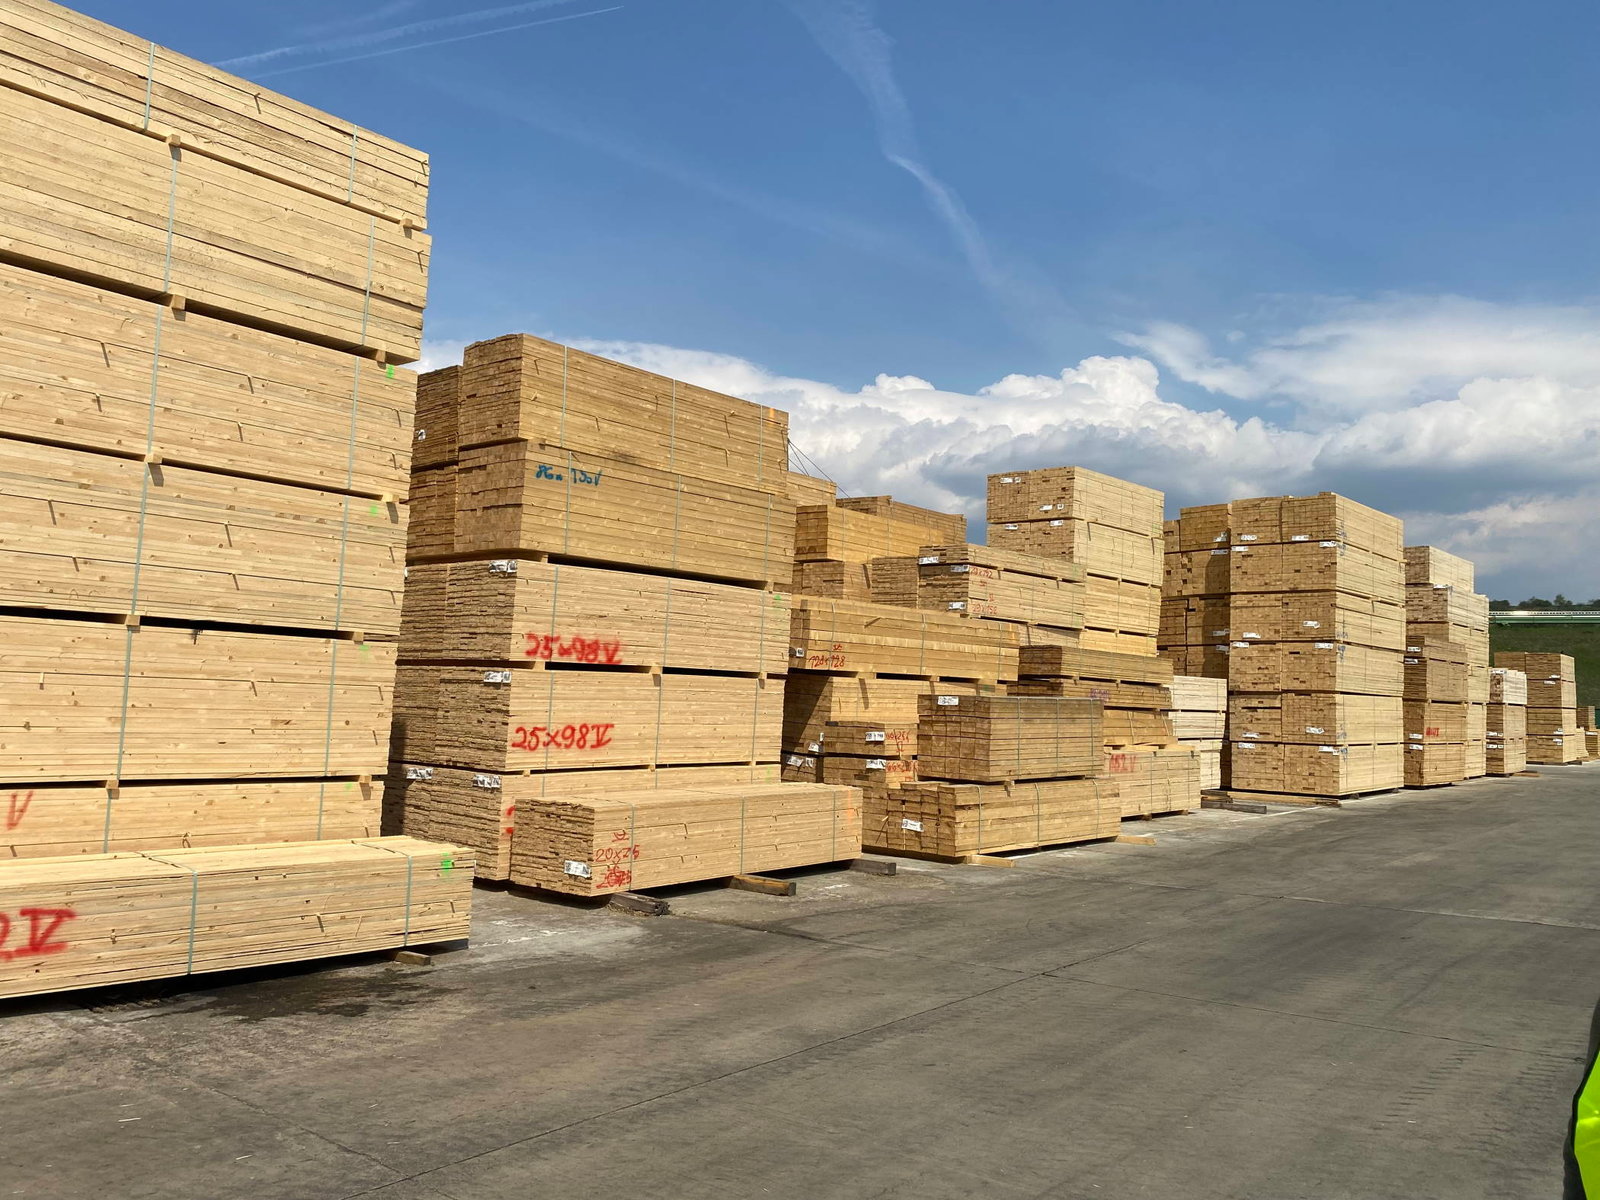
{"points": [[1441, 607], [204, 454], [992, 739], [1553, 732], [1436, 712], [1307, 593], [861, 529], [98, 919], [1027, 590], [594, 612], [1199, 722], [1110, 527], [954, 820]]}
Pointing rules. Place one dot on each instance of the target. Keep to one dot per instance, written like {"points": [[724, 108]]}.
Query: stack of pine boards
{"points": [[1195, 610], [1553, 733], [597, 629], [1447, 669], [1506, 749], [1314, 589], [204, 454], [1200, 720]]}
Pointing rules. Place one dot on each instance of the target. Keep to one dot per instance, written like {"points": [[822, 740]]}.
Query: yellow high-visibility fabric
{"points": [[1586, 1134]]}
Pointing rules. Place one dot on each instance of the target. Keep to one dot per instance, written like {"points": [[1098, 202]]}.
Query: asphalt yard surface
{"points": [[1391, 999]]}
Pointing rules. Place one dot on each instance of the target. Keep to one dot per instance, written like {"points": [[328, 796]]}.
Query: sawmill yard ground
{"points": [[1388, 1000]]}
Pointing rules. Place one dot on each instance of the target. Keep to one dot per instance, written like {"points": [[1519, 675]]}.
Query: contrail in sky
{"points": [[460, 37], [391, 34]]}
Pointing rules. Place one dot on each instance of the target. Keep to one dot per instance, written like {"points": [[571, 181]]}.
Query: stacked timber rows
{"points": [[1200, 722], [1447, 669], [1113, 530], [590, 690], [1314, 588], [1554, 735], [1506, 751], [1195, 613], [204, 450]]}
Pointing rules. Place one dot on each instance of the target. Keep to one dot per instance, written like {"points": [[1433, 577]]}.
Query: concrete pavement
{"points": [[1387, 1000]]}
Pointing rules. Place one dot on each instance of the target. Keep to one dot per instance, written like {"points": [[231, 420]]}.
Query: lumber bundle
{"points": [[1314, 667], [804, 489], [814, 703], [94, 368], [1554, 734], [1508, 686], [1315, 718], [1325, 517], [479, 809], [990, 739], [855, 637], [1316, 567], [1438, 568], [868, 772], [160, 219], [57, 819], [1075, 493], [1435, 764], [839, 580], [1318, 616], [953, 820], [88, 532], [834, 532], [1447, 683], [980, 581], [1199, 722], [1151, 781], [510, 611], [99, 919], [504, 719], [1432, 723], [1099, 549], [88, 700], [590, 845], [1316, 771], [1436, 670]]}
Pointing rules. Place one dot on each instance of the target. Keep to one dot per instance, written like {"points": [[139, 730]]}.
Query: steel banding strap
{"points": [[672, 431], [144, 481], [833, 854], [561, 429], [661, 676], [350, 187], [411, 862], [149, 84], [980, 827], [1038, 815], [194, 904], [357, 364], [743, 804]]}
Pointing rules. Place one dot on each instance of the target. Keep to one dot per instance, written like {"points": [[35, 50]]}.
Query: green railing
{"points": [[1541, 616]]}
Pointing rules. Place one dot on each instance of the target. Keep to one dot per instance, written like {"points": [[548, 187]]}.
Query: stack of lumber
{"points": [[1200, 720], [205, 449], [859, 529], [1314, 589], [1110, 527], [1138, 744], [992, 739], [1041, 597], [1553, 732], [1196, 611], [91, 920], [858, 638], [595, 843], [1442, 606], [1436, 712], [1506, 722], [594, 624]]}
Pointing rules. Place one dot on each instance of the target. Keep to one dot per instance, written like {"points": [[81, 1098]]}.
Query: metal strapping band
{"points": [[194, 904], [411, 863], [561, 429], [672, 433], [661, 679], [743, 804], [350, 187], [980, 828], [344, 529], [833, 854], [677, 515], [149, 83]]}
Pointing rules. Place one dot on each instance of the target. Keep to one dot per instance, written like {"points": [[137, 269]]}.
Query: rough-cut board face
{"points": [[977, 591], [1075, 493], [1196, 694], [619, 841], [88, 198], [83, 700], [518, 499], [1203, 527], [1507, 686], [812, 702], [1431, 722], [1078, 663], [953, 819], [1316, 718], [87, 532], [1317, 616], [1195, 573], [79, 366], [1555, 748], [1505, 721], [517, 719], [1314, 667], [1435, 763], [1505, 756], [478, 809], [79, 62], [1546, 667], [60, 819], [533, 613], [523, 387], [1448, 605], [985, 739], [834, 533], [1151, 697], [1325, 517], [1325, 566], [102, 919], [804, 489]]}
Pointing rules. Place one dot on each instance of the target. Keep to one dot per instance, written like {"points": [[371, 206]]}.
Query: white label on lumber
{"points": [[422, 435], [1411, 662], [1054, 524], [908, 823], [1328, 544], [1250, 735], [877, 735], [503, 566], [1240, 645], [958, 604], [1251, 637], [797, 652], [1241, 550], [1311, 624], [1313, 728], [1011, 527], [1047, 507], [1214, 553], [799, 760], [1331, 749], [1413, 649], [1222, 633], [1245, 746], [1441, 587], [1011, 479], [876, 764], [1493, 733], [1418, 736], [581, 870], [491, 782], [419, 772], [931, 558], [1247, 537], [949, 700], [960, 569], [1300, 537], [1324, 645], [816, 747], [497, 676]]}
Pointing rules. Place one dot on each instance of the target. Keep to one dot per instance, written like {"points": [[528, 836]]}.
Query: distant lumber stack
{"points": [[1441, 607], [1317, 628], [204, 452], [1195, 609], [596, 629], [1507, 721], [1554, 735], [1199, 722]]}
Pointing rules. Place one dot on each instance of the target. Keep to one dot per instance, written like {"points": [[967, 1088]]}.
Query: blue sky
{"points": [[1354, 245]]}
